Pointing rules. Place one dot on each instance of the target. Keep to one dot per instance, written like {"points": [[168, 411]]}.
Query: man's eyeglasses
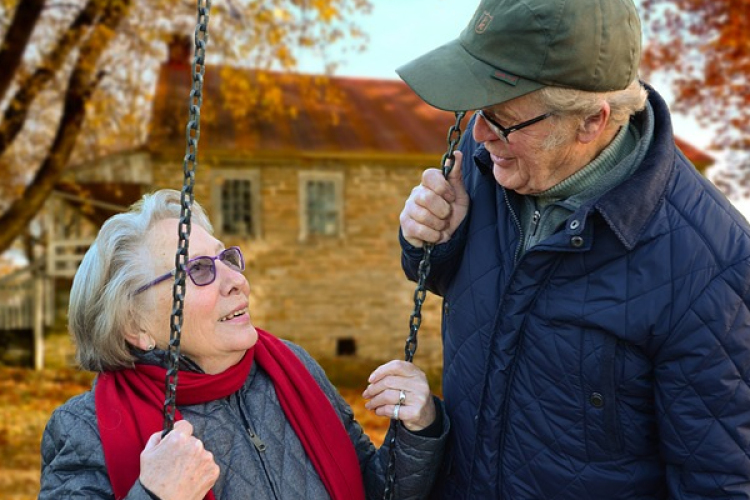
{"points": [[503, 132], [202, 270]]}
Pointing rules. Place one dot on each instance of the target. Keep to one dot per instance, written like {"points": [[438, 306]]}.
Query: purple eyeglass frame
{"points": [[213, 260]]}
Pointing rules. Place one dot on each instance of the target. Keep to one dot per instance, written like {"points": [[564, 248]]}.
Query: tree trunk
{"points": [[81, 84], [30, 87]]}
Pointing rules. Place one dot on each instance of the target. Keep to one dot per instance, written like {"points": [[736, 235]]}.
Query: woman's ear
{"points": [[141, 340], [595, 125]]}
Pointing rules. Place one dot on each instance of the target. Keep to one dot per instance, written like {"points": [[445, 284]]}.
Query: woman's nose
{"points": [[231, 279]]}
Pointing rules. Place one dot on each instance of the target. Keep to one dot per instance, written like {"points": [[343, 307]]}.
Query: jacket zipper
{"points": [[512, 371], [258, 443], [535, 222], [521, 236]]}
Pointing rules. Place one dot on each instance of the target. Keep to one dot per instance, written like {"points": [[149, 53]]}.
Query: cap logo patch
{"points": [[505, 77], [483, 23]]}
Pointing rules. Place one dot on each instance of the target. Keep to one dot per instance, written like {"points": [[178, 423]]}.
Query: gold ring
{"points": [[402, 397]]}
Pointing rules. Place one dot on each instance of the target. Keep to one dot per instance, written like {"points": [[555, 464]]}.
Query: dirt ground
{"points": [[27, 399]]}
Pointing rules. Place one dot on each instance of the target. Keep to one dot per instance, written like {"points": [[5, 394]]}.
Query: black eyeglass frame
{"points": [[503, 132], [213, 260]]}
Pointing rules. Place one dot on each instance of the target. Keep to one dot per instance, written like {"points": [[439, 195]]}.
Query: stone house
{"points": [[312, 199]]}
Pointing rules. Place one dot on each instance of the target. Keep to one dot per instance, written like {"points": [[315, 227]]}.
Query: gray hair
{"points": [[102, 308], [582, 104]]}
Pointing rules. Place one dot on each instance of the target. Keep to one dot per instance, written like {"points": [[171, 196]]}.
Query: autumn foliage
{"points": [[77, 79], [704, 46]]}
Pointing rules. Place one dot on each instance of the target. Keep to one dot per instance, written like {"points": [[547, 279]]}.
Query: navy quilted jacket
{"points": [[612, 360]]}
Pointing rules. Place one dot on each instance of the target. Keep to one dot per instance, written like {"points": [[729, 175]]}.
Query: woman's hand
{"points": [[178, 466], [400, 384]]}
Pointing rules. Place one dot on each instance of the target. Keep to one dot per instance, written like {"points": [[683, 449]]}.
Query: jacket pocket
{"points": [[603, 433]]}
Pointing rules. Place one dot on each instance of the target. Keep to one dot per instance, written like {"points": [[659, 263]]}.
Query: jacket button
{"points": [[596, 400], [576, 241]]}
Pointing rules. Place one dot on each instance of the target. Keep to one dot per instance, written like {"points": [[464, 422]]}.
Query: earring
{"points": [[150, 347]]}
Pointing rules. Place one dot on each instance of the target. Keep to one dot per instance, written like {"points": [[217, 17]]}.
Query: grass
{"points": [[28, 397]]}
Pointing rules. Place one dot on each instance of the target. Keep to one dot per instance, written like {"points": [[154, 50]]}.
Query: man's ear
{"points": [[594, 126]]}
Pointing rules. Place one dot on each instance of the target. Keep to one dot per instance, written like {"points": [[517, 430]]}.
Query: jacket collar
{"points": [[648, 184]]}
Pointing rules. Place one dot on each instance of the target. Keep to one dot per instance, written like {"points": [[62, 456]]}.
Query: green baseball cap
{"points": [[513, 47]]}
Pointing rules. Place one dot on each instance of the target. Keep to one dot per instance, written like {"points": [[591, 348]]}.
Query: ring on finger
{"points": [[396, 409], [402, 397]]}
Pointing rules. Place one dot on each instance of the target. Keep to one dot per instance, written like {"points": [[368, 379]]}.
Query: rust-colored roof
{"points": [[700, 159], [366, 117]]}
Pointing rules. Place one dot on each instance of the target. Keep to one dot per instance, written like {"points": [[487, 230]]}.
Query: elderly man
{"points": [[596, 327]]}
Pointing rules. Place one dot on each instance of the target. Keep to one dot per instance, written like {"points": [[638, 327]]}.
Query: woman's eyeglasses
{"points": [[503, 132], [202, 270]]}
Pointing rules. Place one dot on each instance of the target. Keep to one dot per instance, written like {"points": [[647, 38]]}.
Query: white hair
{"points": [[583, 104], [102, 308]]}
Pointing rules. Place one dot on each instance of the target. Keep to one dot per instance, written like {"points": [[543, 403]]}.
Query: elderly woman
{"points": [[256, 416]]}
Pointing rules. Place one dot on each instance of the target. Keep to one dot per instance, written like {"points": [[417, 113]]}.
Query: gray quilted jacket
{"points": [[73, 460]]}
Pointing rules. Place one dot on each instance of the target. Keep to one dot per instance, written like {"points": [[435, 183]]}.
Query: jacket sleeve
{"points": [[418, 458], [417, 461], [443, 260], [73, 460], [702, 376]]}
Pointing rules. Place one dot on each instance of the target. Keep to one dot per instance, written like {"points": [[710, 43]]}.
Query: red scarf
{"points": [[129, 410]]}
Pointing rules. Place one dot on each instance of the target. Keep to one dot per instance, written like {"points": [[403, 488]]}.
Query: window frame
{"points": [[337, 178], [221, 175]]}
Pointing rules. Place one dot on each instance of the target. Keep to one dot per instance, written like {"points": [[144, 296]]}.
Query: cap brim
{"points": [[451, 79]]}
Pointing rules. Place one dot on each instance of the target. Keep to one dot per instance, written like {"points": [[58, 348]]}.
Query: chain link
{"points": [[190, 163], [420, 293]]}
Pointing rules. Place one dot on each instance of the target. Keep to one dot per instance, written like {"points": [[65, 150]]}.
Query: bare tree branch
{"points": [[16, 39]]}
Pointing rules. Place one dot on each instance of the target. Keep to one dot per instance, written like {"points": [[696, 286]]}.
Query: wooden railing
{"points": [[17, 301], [22, 301], [63, 257]]}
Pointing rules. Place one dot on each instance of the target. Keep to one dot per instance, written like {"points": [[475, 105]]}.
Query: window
{"points": [[236, 201], [321, 204]]}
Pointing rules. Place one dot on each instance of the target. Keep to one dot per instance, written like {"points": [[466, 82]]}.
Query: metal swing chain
{"points": [[420, 293], [190, 163]]}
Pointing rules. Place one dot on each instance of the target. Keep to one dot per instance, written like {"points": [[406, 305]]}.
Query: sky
{"points": [[401, 30]]}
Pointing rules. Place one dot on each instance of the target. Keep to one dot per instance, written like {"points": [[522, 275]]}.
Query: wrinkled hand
{"points": [[386, 383], [178, 466], [436, 207]]}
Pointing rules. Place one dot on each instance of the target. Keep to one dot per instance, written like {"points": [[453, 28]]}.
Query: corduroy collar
{"points": [[648, 184]]}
